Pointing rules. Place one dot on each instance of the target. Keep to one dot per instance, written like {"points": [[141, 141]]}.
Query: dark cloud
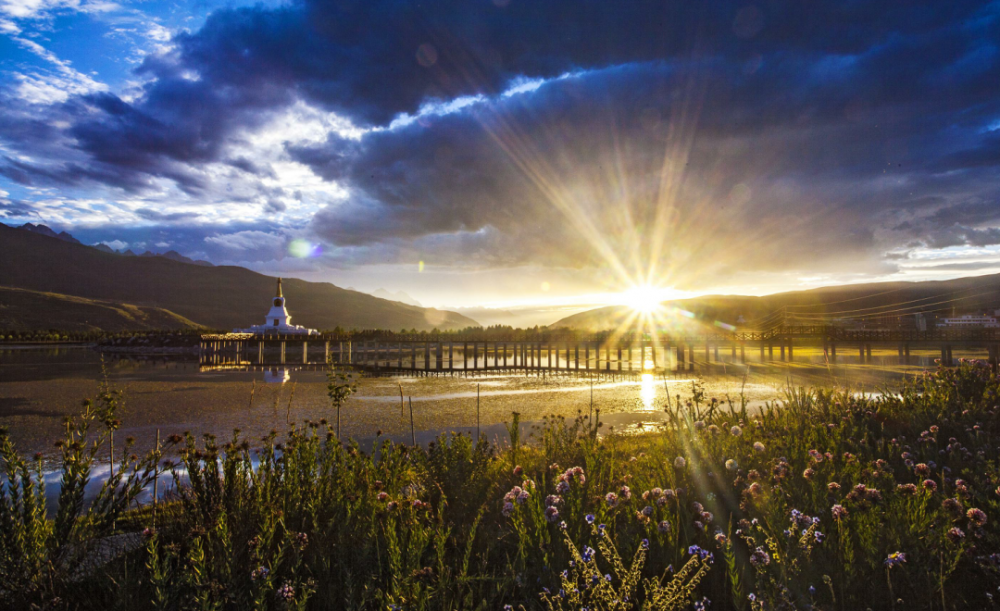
{"points": [[169, 217]]}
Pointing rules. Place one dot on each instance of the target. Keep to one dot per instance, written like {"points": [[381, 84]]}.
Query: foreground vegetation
{"points": [[826, 500]]}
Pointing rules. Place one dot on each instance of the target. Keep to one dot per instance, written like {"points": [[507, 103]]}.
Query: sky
{"points": [[532, 157]]}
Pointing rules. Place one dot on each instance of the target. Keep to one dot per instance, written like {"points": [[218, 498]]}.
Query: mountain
{"points": [[399, 296], [173, 255], [24, 310], [222, 297], [856, 303], [47, 231]]}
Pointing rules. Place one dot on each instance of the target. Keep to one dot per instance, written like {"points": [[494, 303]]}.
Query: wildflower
{"points": [[285, 592], [563, 525], [656, 493], [382, 496], [588, 554], [908, 489], [839, 512], [976, 516], [508, 508], [701, 553], [808, 473], [625, 493], [612, 499], [562, 487], [679, 462], [552, 500], [663, 527], [302, 539], [755, 489], [758, 446], [647, 511], [760, 557], [589, 518], [929, 485], [699, 424], [391, 505], [955, 535], [378, 484], [523, 497], [731, 465], [833, 487], [922, 470], [736, 431], [644, 544], [953, 506], [602, 530], [518, 471], [701, 605], [720, 537], [818, 536], [895, 559], [259, 573], [707, 517], [551, 513], [816, 455]]}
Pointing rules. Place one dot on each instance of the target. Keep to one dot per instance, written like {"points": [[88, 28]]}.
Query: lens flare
{"points": [[301, 249]]}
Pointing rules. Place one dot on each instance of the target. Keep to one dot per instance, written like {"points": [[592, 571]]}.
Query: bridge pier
{"points": [[868, 353], [781, 347], [791, 355]]}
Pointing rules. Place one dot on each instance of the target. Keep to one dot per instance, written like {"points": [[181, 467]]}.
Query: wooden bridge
{"points": [[567, 352]]}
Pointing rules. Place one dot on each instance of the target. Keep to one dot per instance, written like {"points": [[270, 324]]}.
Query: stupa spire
{"points": [[279, 289]]}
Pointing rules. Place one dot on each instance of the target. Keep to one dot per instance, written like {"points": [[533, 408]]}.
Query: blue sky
{"points": [[514, 153]]}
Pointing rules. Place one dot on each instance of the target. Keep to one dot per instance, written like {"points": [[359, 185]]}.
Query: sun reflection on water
{"points": [[647, 392]]}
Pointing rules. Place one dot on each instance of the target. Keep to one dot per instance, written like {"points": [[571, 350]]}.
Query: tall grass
{"points": [[824, 500]]}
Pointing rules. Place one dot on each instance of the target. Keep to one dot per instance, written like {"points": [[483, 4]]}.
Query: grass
{"points": [[824, 500]]}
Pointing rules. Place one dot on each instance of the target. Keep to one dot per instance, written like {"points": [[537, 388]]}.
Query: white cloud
{"points": [[34, 9], [52, 87], [247, 240], [114, 244], [162, 244]]}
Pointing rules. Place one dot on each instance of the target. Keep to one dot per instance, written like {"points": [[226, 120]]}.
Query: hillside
{"points": [[219, 297], [22, 310], [850, 303]]}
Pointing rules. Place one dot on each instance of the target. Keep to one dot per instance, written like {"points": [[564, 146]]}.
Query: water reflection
{"points": [[277, 375], [647, 392]]}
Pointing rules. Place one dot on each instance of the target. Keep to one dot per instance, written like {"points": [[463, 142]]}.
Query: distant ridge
{"points": [[399, 296], [220, 297], [847, 302], [47, 231], [66, 237]]}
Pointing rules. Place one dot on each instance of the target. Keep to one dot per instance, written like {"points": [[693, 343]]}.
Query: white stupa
{"points": [[278, 321]]}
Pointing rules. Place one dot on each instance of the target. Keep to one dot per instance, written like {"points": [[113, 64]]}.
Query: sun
{"points": [[644, 298]]}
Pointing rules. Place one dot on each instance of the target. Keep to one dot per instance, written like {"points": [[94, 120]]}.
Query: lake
{"points": [[39, 386]]}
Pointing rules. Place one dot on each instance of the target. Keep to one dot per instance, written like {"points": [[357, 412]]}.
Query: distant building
{"points": [[278, 321], [970, 320]]}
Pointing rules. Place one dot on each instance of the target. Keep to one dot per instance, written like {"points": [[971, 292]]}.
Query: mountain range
{"points": [[158, 292], [871, 303]]}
